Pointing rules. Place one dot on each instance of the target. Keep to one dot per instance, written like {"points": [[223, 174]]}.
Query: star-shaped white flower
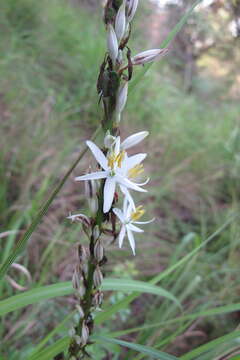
{"points": [[118, 168], [128, 217]]}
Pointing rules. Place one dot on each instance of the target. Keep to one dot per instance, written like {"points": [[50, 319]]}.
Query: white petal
{"points": [[144, 222], [131, 239], [134, 139], [128, 184], [128, 198], [121, 236], [109, 190], [144, 183], [93, 176], [135, 228], [119, 214], [134, 160], [98, 154]]}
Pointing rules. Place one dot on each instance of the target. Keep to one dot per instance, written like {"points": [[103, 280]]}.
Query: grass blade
{"points": [[21, 244], [211, 345], [51, 350], [146, 350], [51, 291]]}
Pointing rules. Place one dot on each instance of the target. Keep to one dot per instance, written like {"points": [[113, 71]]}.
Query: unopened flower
{"points": [[131, 9], [80, 311], [148, 56], [128, 217], [120, 21], [80, 217], [85, 333], [112, 43], [90, 192], [121, 99], [116, 166], [98, 251], [97, 277]]}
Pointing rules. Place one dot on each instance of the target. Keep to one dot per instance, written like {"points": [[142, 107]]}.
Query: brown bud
{"points": [[98, 251], [97, 277], [85, 333]]}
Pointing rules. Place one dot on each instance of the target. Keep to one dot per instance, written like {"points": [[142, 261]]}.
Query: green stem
{"points": [[23, 240]]}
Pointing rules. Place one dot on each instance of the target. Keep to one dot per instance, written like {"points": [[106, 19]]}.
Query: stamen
{"points": [[116, 159], [135, 171], [120, 157], [138, 213]]}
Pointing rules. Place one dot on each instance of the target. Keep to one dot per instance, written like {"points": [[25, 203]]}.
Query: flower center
{"points": [[135, 171], [138, 213], [114, 159]]}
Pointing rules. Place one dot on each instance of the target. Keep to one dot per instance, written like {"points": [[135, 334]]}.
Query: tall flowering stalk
{"points": [[117, 174]]}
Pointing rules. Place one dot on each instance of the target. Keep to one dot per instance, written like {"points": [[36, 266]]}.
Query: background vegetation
{"points": [[50, 52]]}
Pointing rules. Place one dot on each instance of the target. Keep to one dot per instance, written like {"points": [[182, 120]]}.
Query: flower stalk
{"points": [[117, 174]]}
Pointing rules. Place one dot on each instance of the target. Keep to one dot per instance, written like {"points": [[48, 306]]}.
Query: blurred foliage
{"points": [[50, 53]]}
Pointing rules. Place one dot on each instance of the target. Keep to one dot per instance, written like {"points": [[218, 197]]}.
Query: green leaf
{"points": [[22, 242], [65, 288], [210, 312], [211, 345], [137, 286], [146, 350], [165, 43], [52, 350]]}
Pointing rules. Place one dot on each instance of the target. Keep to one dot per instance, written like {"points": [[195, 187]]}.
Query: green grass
{"points": [[48, 106]]}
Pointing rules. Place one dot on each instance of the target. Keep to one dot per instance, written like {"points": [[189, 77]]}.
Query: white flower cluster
{"points": [[119, 169]]}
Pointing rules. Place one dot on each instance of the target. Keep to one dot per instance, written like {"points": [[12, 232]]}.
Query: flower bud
{"points": [[120, 21], [96, 232], [80, 310], [97, 277], [109, 140], [90, 192], [76, 279], [131, 9], [85, 333], [82, 254], [98, 299], [112, 43], [122, 97], [98, 251], [148, 56], [80, 217]]}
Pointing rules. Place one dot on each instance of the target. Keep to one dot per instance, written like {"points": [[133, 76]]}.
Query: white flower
{"points": [[148, 56], [118, 168], [128, 217], [112, 43]]}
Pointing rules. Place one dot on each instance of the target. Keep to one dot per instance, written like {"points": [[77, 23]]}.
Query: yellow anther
{"points": [[116, 159], [135, 171], [138, 213], [120, 157], [111, 160]]}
